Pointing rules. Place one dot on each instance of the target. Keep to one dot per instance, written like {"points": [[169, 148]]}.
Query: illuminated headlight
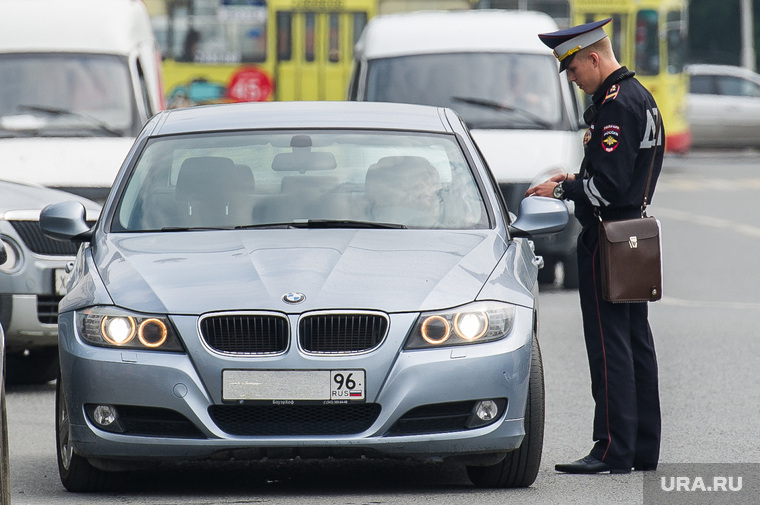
{"points": [[111, 327], [474, 323]]}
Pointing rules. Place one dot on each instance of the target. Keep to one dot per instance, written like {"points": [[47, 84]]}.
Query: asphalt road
{"points": [[706, 332]]}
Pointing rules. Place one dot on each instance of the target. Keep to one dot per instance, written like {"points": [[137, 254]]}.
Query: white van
{"points": [[78, 79], [491, 67]]}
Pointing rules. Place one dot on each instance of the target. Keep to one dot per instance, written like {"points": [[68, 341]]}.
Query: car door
{"points": [[704, 114], [740, 107]]}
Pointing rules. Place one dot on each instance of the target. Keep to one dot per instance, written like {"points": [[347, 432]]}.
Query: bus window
{"points": [[311, 33], [676, 42], [232, 31], [619, 39], [333, 51], [647, 43], [284, 36], [360, 21]]}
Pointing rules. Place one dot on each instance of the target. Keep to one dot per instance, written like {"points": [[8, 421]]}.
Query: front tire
{"points": [[520, 467], [76, 473]]}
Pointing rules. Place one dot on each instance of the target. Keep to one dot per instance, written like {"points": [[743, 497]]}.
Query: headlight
{"points": [[13, 256], [112, 327], [474, 323]]}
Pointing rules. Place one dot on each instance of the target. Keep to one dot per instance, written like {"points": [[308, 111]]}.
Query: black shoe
{"points": [[589, 464]]}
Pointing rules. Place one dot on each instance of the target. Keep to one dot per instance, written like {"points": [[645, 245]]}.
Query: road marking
{"points": [[707, 184], [712, 222], [704, 304]]}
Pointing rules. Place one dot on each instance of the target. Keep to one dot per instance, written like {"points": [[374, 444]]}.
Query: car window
{"points": [[257, 179], [489, 90], [701, 84], [67, 94], [736, 86]]}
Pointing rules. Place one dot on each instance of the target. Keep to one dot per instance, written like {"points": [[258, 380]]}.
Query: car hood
{"points": [[520, 156], [64, 162], [390, 270], [17, 197]]}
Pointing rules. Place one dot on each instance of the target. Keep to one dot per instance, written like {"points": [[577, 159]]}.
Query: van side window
{"points": [[144, 97]]}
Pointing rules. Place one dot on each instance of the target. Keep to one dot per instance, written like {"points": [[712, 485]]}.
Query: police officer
{"points": [[619, 145]]}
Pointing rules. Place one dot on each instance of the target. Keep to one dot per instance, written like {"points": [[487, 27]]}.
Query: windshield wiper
{"points": [[55, 111], [494, 105], [195, 228], [324, 223]]}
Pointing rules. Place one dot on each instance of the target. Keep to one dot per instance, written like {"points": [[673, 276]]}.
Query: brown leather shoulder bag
{"points": [[630, 253]]}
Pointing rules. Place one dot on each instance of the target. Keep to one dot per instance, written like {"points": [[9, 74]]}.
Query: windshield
{"points": [[66, 95], [489, 90], [299, 179]]}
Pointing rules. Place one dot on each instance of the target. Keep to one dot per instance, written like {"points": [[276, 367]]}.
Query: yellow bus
{"points": [[256, 50], [649, 37]]}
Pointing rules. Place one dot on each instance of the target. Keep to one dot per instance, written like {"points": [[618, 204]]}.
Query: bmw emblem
{"points": [[293, 298]]}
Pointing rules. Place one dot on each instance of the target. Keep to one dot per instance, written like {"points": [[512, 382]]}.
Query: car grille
{"points": [[246, 333], [294, 420], [438, 418], [47, 309], [31, 233], [329, 333], [341, 333]]}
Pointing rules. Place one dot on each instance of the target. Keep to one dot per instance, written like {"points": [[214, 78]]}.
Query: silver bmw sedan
{"points": [[302, 279]]}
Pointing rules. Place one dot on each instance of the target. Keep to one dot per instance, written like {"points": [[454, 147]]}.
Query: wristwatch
{"points": [[559, 191]]}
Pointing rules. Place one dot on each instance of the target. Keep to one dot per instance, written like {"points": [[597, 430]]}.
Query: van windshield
{"points": [[489, 90], [66, 95]]}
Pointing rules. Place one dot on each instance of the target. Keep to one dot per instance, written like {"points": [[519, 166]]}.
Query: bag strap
{"points": [[651, 166]]}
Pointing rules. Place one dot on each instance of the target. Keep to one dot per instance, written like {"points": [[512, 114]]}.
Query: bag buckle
{"points": [[633, 242]]}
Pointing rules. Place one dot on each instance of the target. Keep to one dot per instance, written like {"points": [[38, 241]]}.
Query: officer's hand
{"points": [[543, 189]]}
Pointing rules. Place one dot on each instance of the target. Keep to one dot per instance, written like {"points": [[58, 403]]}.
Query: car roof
{"points": [[82, 26], [428, 32], [712, 69], [281, 115]]}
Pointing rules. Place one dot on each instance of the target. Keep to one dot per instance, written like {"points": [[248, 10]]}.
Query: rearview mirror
{"points": [[539, 215], [65, 221]]}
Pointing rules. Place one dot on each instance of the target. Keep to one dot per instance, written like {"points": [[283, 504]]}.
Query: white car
{"points": [[491, 67], [32, 280], [723, 106]]}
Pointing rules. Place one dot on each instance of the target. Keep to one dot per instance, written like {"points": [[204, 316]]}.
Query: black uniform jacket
{"points": [[619, 145]]}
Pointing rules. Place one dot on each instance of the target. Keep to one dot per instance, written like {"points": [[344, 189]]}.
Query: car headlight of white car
{"points": [[112, 327], [470, 324]]}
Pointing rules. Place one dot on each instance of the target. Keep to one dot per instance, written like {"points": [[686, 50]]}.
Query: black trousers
{"points": [[623, 367]]}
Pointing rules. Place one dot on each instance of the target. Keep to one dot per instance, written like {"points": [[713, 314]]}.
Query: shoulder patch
{"points": [[612, 93], [610, 137]]}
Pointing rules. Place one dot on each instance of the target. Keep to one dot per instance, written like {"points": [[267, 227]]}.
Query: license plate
{"points": [[294, 385], [61, 279]]}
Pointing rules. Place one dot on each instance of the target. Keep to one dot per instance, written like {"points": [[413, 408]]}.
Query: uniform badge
{"points": [[586, 137], [612, 92], [610, 137]]}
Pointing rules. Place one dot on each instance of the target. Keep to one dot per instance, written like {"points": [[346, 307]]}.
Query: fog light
{"points": [[487, 410], [104, 415]]}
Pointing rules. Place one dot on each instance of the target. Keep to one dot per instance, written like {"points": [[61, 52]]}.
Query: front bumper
{"points": [[190, 385], [22, 316]]}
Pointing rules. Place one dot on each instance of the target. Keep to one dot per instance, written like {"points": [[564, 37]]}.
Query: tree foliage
{"points": [[715, 31]]}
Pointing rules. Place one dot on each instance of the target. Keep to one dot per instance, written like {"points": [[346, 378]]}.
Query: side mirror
{"points": [[539, 215], [65, 221]]}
